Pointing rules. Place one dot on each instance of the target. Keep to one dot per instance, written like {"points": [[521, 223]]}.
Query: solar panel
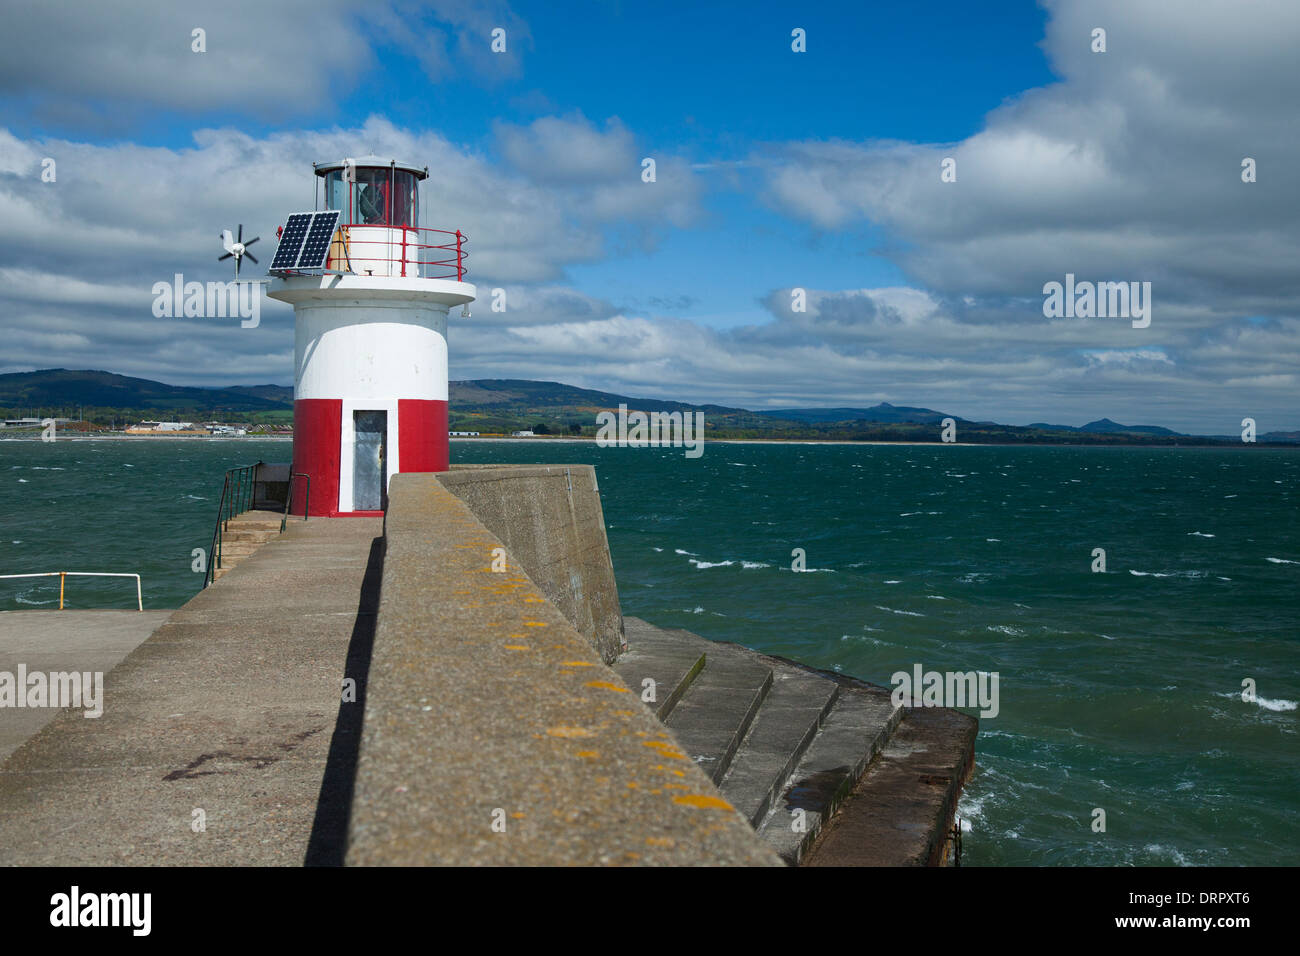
{"points": [[316, 250], [295, 231], [305, 243]]}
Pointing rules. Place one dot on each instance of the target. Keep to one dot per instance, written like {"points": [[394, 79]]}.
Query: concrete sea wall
{"points": [[493, 731], [549, 519]]}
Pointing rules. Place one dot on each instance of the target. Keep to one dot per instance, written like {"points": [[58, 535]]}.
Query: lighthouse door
{"points": [[369, 467]]}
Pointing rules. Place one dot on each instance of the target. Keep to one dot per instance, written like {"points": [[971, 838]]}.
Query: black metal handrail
{"points": [[236, 498], [288, 500]]}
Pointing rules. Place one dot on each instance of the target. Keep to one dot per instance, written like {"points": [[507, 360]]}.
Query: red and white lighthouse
{"points": [[370, 290]]}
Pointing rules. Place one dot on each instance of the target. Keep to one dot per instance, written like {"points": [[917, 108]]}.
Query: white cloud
{"points": [[103, 63], [1128, 168]]}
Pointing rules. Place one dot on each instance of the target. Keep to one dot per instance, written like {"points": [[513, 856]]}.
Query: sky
{"points": [[776, 170]]}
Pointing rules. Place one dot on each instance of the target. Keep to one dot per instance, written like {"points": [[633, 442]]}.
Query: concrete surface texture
{"points": [[495, 734], [228, 716], [550, 520], [46, 641]]}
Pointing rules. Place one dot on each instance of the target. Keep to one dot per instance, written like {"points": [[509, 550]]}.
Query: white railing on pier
{"points": [[63, 575]]}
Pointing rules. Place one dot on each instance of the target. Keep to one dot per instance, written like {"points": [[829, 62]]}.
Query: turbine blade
{"points": [[251, 256], [226, 256], [241, 233], [251, 241]]}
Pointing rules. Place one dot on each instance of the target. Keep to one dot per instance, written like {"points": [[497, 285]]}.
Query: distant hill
{"points": [[524, 393], [1104, 426], [280, 394], [507, 404], [69, 388], [884, 412]]}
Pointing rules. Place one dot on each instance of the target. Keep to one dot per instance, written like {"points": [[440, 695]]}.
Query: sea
{"points": [[1161, 691]]}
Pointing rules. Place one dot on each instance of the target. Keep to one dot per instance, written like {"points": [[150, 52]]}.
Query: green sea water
{"points": [[1119, 691]]}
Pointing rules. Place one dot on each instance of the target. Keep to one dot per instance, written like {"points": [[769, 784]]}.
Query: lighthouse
{"points": [[370, 288]]}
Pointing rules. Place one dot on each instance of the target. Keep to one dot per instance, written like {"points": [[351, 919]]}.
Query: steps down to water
{"points": [[787, 745], [243, 535]]}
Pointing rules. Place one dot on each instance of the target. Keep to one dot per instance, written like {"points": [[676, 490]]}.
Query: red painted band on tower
{"points": [[317, 433], [422, 435]]}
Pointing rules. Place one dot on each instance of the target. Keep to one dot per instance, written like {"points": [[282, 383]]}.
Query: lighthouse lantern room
{"points": [[370, 288]]}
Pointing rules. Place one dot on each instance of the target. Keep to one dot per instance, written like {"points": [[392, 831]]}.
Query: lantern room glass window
{"points": [[381, 196]]}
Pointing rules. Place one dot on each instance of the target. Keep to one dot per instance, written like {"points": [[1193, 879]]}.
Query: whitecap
{"points": [[1006, 629], [1274, 560], [1199, 534], [750, 565], [1161, 850], [1278, 706], [711, 564], [891, 610], [680, 551]]}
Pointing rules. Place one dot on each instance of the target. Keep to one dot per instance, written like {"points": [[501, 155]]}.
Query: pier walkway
{"points": [[45, 641], [228, 715]]}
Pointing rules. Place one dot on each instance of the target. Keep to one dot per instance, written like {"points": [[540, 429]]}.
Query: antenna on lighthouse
{"points": [[236, 247]]}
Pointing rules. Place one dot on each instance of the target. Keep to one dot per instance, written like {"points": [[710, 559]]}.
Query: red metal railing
{"points": [[400, 251]]}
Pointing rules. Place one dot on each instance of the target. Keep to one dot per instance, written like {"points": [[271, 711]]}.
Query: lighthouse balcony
{"points": [[407, 252]]}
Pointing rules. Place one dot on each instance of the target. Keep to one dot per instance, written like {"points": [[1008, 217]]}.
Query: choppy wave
{"points": [[881, 607], [1281, 561], [1278, 706]]}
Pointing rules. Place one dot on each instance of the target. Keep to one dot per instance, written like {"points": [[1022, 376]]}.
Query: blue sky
{"points": [[776, 170]]}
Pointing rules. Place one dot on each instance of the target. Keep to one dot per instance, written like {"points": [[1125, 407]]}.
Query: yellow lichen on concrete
{"points": [[703, 801], [568, 732]]}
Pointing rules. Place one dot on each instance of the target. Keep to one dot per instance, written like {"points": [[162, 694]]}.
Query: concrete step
{"points": [[788, 721], [665, 659], [240, 547], [718, 708], [237, 533], [899, 811], [253, 524], [857, 727]]}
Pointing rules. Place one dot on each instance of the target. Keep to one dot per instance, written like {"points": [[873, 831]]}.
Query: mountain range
{"points": [[503, 405]]}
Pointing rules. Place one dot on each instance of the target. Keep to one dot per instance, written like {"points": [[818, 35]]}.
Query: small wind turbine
{"points": [[236, 247]]}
